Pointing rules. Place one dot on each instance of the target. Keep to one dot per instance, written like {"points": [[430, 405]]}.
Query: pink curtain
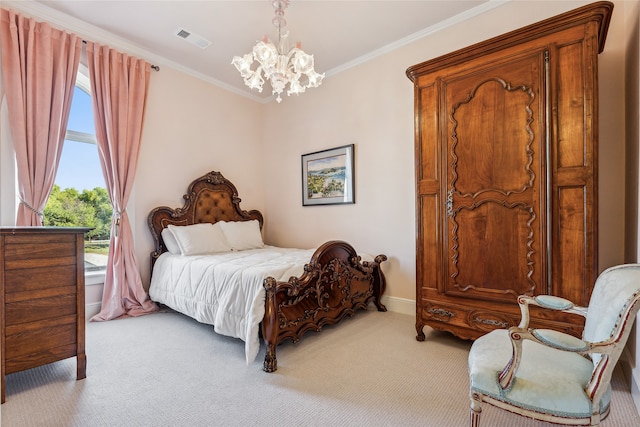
{"points": [[39, 65], [119, 85]]}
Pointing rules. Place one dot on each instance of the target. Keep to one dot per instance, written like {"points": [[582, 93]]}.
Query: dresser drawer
{"points": [[34, 309], [26, 247], [37, 337], [34, 279], [49, 355], [481, 320], [443, 313], [38, 262]]}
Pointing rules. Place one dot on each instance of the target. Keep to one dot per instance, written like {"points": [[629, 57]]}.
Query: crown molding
{"points": [[454, 20]]}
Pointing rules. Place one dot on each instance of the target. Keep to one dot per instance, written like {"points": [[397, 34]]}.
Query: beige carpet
{"points": [[167, 370]]}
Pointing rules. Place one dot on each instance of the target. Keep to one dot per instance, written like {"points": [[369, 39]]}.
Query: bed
{"points": [[278, 292]]}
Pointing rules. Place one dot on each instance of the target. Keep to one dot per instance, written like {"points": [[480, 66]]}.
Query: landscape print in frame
{"points": [[327, 176]]}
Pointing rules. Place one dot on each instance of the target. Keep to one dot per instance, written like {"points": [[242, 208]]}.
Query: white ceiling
{"points": [[338, 33]]}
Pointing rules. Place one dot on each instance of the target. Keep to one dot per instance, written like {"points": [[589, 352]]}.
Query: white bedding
{"points": [[225, 289]]}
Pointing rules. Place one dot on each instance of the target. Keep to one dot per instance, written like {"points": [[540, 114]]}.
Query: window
{"points": [[79, 196]]}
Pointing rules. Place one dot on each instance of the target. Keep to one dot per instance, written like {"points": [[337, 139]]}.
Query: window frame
{"points": [[93, 277], [82, 82]]}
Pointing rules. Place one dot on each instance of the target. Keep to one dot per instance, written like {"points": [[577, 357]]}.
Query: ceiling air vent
{"points": [[192, 38]]}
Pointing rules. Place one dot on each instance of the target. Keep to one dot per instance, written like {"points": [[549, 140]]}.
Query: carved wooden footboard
{"points": [[335, 284]]}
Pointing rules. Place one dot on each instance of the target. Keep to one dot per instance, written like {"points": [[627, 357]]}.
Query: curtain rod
{"points": [[153, 67]]}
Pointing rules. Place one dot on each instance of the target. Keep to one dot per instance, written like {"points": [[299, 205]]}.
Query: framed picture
{"points": [[327, 176]]}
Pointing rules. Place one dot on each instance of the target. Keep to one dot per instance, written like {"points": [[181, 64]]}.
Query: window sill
{"points": [[94, 277]]}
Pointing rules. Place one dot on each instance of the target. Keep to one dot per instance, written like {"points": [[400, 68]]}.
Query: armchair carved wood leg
{"points": [[475, 410]]}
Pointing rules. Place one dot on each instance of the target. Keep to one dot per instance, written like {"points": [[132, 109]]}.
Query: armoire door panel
{"points": [[492, 145], [574, 248], [427, 125], [429, 242], [573, 109], [492, 254], [570, 254], [494, 180], [428, 188]]}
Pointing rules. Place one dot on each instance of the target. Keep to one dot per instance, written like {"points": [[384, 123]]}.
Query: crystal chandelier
{"points": [[280, 65]]}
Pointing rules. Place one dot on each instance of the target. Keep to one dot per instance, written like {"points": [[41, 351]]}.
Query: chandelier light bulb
{"points": [[279, 65], [302, 62], [243, 64], [255, 81]]}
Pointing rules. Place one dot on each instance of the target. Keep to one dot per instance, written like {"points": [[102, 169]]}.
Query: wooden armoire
{"points": [[506, 140]]}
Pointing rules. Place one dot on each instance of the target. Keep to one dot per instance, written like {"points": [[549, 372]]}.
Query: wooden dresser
{"points": [[42, 297], [506, 147]]}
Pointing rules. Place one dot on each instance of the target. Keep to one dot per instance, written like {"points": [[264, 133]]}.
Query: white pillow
{"points": [[170, 242], [202, 238], [242, 235]]}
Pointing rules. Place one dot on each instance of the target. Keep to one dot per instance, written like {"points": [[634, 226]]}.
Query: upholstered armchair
{"points": [[552, 376]]}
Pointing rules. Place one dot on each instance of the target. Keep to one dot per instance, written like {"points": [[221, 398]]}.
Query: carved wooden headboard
{"points": [[210, 198]]}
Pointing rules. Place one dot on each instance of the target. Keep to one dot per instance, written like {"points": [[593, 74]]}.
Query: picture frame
{"points": [[327, 176]]}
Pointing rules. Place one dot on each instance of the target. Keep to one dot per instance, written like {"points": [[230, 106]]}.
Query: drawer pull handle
{"points": [[441, 312], [491, 322]]}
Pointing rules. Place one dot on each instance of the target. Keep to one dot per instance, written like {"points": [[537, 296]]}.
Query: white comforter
{"points": [[225, 290]]}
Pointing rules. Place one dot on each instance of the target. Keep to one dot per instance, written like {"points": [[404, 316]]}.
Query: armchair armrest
{"points": [[548, 302], [547, 337], [550, 338], [559, 340]]}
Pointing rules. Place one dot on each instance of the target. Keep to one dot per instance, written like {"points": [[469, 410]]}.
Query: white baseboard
{"points": [[400, 305], [635, 393], [91, 310], [632, 377]]}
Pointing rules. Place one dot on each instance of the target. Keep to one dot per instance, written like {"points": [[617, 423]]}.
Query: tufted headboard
{"points": [[210, 198]]}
